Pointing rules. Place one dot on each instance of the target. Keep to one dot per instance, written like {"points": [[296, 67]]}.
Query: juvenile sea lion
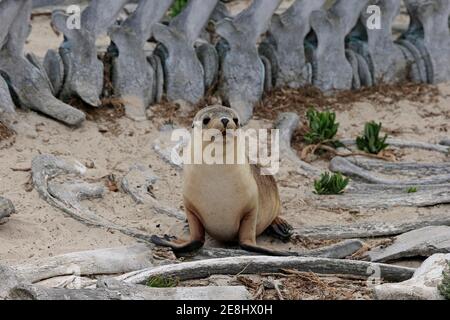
{"points": [[229, 201]]}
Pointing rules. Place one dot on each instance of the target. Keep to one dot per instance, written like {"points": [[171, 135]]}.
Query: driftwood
{"points": [[6, 209], [405, 144], [422, 286], [137, 183], [422, 242], [287, 123], [354, 169], [362, 195], [119, 291], [67, 197], [369, 229], [88, 263], [264, 264], [8, 280], [335, 251]]}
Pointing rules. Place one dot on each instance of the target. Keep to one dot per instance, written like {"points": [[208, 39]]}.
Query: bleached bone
{"points": [[108, 261], [265, 264], [385, 59], [6, 209], [6, 103], [133, 76], [347, 167], [54, 67], [422, 242], [287, 123], [284, 45], [184, 75], [369, 229], [331, 69], [29, 84], [430, 34], [120, 291], [242, 71], [83, 71]]}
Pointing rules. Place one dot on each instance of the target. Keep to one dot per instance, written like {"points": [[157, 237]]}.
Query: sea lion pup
{"points": [[229, 201]]}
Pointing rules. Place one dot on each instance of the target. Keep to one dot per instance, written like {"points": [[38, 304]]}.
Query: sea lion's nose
{"points": [[225, 121]]}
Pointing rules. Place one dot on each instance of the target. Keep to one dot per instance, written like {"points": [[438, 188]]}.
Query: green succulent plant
{"points": [[330, 184], [412, 190], [444, 287], [370, 141], [162, 282], [322, 126], [177, 7]]}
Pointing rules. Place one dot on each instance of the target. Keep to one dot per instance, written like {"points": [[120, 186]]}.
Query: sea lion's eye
{"points": [[206, 121], [236, 121]]}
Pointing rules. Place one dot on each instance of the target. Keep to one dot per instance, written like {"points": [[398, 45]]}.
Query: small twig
{"points": [[21, 169]]}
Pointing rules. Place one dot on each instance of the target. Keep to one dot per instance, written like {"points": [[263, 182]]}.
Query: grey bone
{"points": [[83, 72], [28, 82], [286, 36], [386, 59], [422, 242], [331, 69], [133, 76], [242, 71], [184, 74], [264, 264], [429, 32]]}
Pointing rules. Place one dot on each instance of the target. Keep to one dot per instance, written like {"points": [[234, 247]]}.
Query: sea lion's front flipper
{"points": [[186, 247], [197, 240]]}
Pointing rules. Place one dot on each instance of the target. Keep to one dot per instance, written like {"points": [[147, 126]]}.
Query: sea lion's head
{"points": [[216, 120]]}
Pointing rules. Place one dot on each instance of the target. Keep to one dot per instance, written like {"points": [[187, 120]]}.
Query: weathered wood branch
{"points": [[6, 208], [287, 123], [335, 251], [131, 292], [264, 264], [369, 229], [88, 263]]}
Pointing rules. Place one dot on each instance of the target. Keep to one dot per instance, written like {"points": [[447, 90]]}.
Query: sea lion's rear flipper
{"points": [[280, 229], [266, 251], [186, 247]]}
